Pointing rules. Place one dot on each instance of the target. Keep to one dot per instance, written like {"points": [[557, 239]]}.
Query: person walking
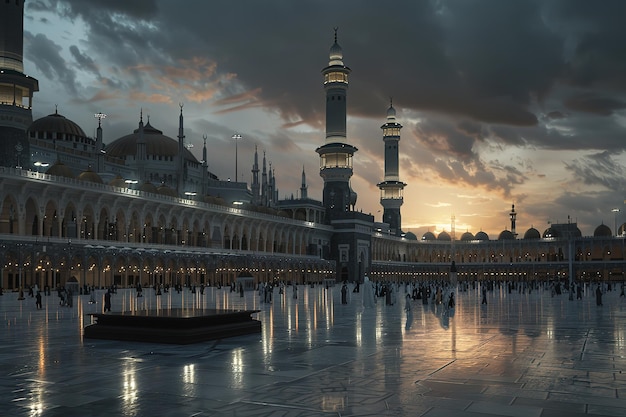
{"points": [[38, 300], [598, 296]]}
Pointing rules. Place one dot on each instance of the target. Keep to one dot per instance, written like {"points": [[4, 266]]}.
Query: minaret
{"points": [[256, 186], [303, 187], [205, 168], [264, 197], [513, 216], [16, 88], [141, 152], [99, 144], [180, 186], [336, 154], [391, 188]]}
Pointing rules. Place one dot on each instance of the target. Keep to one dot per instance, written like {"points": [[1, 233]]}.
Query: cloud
{"points": [[599, 169]]}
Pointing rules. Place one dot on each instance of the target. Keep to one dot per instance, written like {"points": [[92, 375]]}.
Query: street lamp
{"points": [[236, 136], [615, 210]]}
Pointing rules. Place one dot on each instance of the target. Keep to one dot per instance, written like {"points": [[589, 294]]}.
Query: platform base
{"points": [[176, 326]]}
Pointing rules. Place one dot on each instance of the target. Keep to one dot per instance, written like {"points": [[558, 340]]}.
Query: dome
{"points": [[429, 236], [90, 176], [550, 232], [410, 236], [148, 187], [620, 230], [157, 144], [481, 236], [467, 236], [59, 169], [602, 231], [335, 53], [55, 123], [118, 181], [532, 233], [165, 190], [391, 113], [444, 236], [506, 235]]}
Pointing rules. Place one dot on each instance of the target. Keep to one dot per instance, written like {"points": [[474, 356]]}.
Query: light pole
{"points": [[615, 211], [236, 136]]}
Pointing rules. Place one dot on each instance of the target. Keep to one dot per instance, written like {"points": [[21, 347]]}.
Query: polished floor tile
{"points": [[520, 355]]}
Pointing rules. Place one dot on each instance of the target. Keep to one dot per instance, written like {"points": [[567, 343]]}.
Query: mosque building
{"points": [[144, 209]]}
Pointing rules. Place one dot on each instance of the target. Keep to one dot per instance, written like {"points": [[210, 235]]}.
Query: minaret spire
{"points": [[303, 186], [180, 174]]}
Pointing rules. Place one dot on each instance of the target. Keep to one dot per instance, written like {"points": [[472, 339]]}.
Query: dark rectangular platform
{"points": [[176, 325]]}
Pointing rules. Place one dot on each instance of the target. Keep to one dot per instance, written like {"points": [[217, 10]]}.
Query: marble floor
{"points": [[518, 355]]}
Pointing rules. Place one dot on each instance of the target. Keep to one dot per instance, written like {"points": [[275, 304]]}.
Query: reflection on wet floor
{"points": [[518, 355]]}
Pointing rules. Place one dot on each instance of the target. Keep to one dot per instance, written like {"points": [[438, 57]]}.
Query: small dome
{"points": [[481, 236], [391, 113], [410, 236], [602, 231], [59, 169], [467, 236], [429, 236], [532, 233], [550, 232], [444, 236], [90, 176], [56, 123], [621, 229], [165, 190], [506, 235], [148, 187], [118, 181], [335, 54]]}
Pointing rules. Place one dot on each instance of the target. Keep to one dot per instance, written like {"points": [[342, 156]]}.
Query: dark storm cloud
{"points": [[591, 103], [84, 62], [45, 54], [483, 61], [599, 169]]}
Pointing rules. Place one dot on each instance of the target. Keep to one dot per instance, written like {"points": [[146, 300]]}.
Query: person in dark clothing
{"points": [[484, 301], [38, 300], [598, 296], [107, 301]]}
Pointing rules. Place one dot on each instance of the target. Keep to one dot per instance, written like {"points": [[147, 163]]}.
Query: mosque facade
{"points": [[144, 209]]}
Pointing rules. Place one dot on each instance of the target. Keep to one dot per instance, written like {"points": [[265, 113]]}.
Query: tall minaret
{"points": [[336, 154], [303, 187], [205, 167], [513, 216], [256, 186], [99, 144], [180, 185], [141, 152], [16, 88], [391, 188]]}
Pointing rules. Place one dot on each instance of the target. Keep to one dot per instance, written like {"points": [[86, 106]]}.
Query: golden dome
{"points": [[59, 169], [90, 176]]}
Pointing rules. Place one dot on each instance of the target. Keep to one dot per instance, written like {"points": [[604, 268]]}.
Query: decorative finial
{"points": [[336, 29], [100, 116], [141, 115], [181, 107], [204, 137], [390, 101], [56, 109]]}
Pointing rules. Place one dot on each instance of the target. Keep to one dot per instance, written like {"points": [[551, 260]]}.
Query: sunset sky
{"points": [[502, 102]]}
